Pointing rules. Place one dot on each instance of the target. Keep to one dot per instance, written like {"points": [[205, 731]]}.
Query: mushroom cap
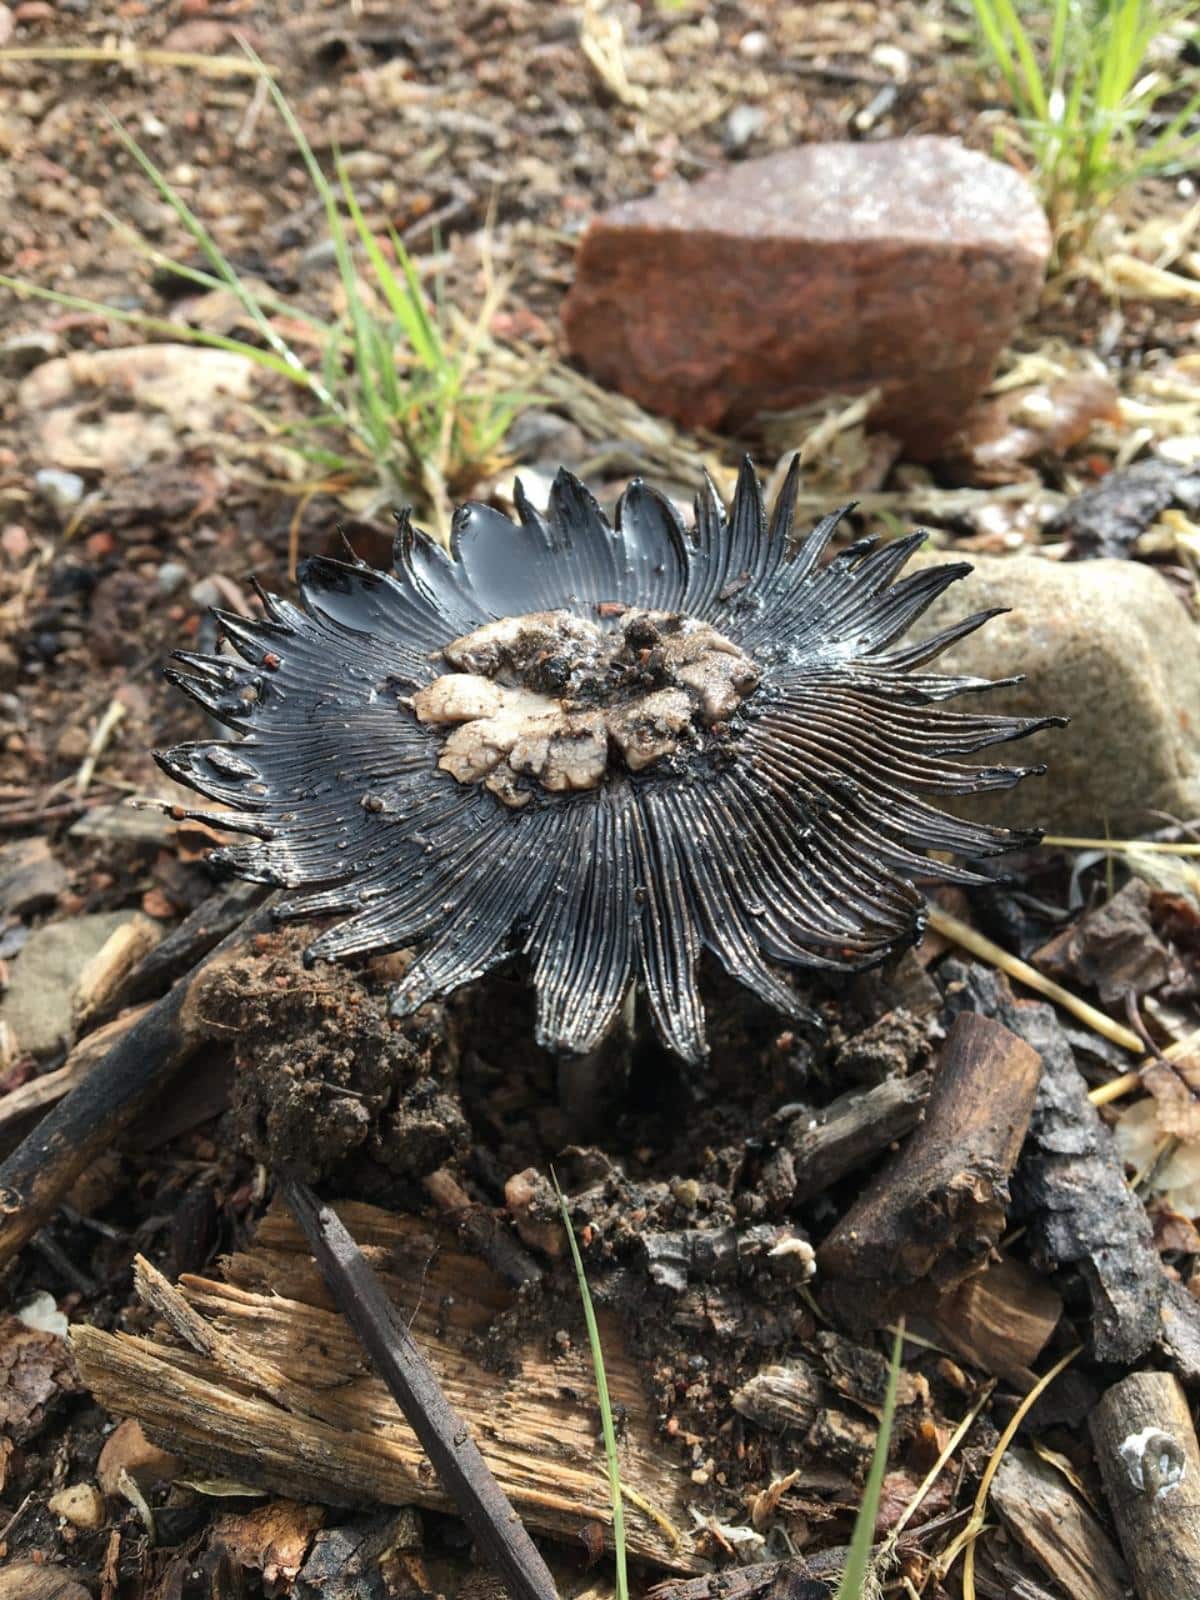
{"points": [[792, 840]]}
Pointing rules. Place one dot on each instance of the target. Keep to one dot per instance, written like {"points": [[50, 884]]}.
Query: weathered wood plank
{"points": [[340, 1438]]}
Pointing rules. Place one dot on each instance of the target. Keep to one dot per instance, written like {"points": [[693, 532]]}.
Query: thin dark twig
{"points": [[15, 1518], [1136, 1021], [445, 1438]]}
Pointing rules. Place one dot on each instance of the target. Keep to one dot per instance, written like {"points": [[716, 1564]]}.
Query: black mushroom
{"points": [[603, 748]]}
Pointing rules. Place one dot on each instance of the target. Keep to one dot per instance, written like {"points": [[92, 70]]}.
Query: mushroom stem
{"points": [[589, 1084]]}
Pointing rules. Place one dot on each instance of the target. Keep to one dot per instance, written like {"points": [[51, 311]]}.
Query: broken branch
{"points": [[46, 1163], [1146, 1448], [481, 1502]]}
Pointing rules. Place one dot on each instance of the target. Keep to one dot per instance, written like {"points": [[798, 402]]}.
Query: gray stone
{"points": [[38, 1006], [898, 264], [61, 490], [1108, 644], [24, 351], [170, 576], [545, 436], [30, 876], [205, 593]]}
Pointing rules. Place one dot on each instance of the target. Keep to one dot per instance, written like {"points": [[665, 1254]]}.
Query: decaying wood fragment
{"points": [[25, 1580], [1069, 1188], [481, 1230], [1146, 1448], [1178, 1342], [38, 1173], [782, 1395], [1046, 1517], [936, 1211], [812, 1578], [103, 976], [805, 1396], [447, 1441], [346, 1443], [852, 1130], [50, 1087], [1000, 1320], [220, 915]]}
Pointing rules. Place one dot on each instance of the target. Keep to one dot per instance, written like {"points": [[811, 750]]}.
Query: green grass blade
{"points": [[268, 300], [1031, 74], [222, 265], [1161, 146], [1058, 42], [858, 1559], [993, 33], [1134, 28], [606, 1418], [325, 190], [431, 335], [181, 332], [405, 300]]}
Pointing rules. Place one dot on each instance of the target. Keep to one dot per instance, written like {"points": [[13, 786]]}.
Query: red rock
{"points": [[827, 269], [99, 545], [199, 35], [15, 542]]}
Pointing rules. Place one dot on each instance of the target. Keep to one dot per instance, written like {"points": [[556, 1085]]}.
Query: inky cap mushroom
{"points": [[603, 747]]}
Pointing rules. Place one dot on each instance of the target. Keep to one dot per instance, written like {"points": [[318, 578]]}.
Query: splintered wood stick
{"points": [[38, 1173], [261, 1380], [465, 1475], [938, 1207], [1146, 1448]]}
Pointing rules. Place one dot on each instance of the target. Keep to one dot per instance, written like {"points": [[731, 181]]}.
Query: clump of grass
{"points": [[606, 1417], [1080, 81], [402, 406]]}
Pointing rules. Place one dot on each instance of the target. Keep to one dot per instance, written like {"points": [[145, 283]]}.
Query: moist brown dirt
{"points": [[324, 1081]]}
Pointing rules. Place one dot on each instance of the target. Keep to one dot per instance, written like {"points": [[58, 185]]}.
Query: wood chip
{"points": [[108, 969], [1045, 1516], [535, 1423]]}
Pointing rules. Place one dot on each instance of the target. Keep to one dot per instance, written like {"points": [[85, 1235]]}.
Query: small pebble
{"points": [[61, 490], [741, 125], [170, 577], [24, 351], [82, 1505], [753, 45], [15, 542], [205, 593]]}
